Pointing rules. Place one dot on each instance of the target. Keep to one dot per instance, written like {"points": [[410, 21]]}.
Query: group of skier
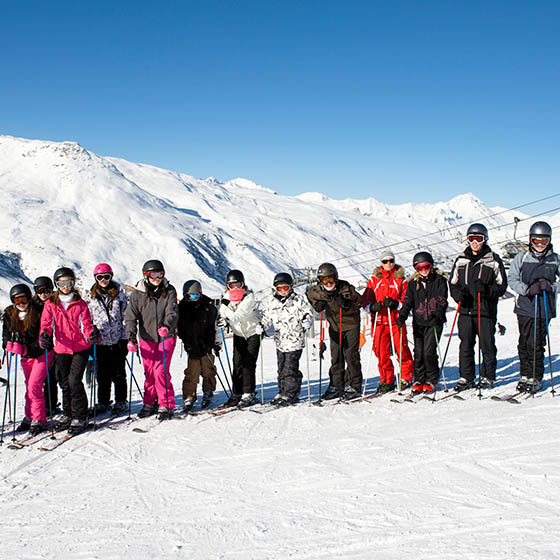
{"points": [[55, 331]]}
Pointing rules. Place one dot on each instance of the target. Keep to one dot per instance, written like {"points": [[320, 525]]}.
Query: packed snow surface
{"points": [[445, 480]]}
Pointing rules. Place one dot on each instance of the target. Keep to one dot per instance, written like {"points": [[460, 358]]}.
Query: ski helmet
{"points": [[192, 287], [63, 271], [540, 229], [43, 282], [421, 258], [20, 290], [152, 265], [283, 278], [102, 268], [327, 270], [478, 229], [235, 276]]}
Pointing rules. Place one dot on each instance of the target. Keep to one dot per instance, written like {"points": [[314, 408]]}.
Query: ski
{"points": [[507, 398], [29, 440], [55, 444]]}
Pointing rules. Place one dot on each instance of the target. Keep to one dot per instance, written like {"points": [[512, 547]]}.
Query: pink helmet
{"points": [[102, 268]]}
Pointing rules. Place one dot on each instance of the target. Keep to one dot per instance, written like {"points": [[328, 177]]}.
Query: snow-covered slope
{"points": [[65, 205]]}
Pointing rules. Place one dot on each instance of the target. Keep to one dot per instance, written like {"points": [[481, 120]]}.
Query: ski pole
{"points": [[400, 356], [391, 338], [340, 350], [308, 374], [479, 355], [93, 383], [450, 334], [134, 378], [374, 324], [15, 396], [535, 343], [548, 341], [130, 366], [165, 372], [225, 376], [227, 358], [440, 359], [6, 394], [218, 375], [321, 337], [262, 370], [49, 392]]}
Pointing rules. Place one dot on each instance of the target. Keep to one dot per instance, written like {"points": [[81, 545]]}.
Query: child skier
{"points": [[20, 336], [291, 315], [107, 304], [74, 335], [152, 314], [238, 310], [197, 330], [426, 297]]}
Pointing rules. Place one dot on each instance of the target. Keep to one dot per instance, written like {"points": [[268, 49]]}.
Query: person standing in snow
{"points": [[238, 309], [291, 315], [107, 304], [44, 288], [426, 297], [383, 297], [20, 336], [478, 275], [197, 329], [152, 315], [341, 304], [533, 275], [74, 334]]}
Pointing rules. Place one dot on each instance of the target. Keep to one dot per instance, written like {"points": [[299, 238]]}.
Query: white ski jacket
{"points": [[243, 318]]}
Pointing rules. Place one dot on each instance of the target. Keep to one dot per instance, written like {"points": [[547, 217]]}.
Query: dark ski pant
{"points": [[289, 376], [426, 362], [526, 347], [111, 361], [50, 389], [70, 372], [342, 375], [199, 367], [468, 331], [245, 354]]}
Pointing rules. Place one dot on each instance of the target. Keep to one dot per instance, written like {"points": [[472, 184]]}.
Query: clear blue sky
{"points": [[401, 100]]}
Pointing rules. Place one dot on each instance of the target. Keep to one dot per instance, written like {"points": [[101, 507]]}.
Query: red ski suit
{"points": [[381, 285]]}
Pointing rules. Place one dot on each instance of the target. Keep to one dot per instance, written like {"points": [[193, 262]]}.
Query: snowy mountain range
{"points": [[65, 205]]}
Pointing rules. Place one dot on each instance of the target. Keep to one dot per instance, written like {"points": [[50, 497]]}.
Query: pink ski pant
{"points": [[157, 382], [35, 372]]}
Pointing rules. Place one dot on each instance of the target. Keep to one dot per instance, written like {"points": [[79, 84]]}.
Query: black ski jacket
{"points": [[29, 338], [427, 299], [197, 326]]}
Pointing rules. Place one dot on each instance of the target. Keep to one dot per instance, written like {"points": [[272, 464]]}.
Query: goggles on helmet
{"points": [[61, 284], [153, 274], [284, 288], [21, 299], [540, 240], [101, 277], [328, 280], [475, 237], [423, 266], [233, 285]]}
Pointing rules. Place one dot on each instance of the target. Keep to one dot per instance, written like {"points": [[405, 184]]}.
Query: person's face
{"points": [[476, 242], [65, 284], [329, 283], [424, 269], [388, 264], [43, 293], [21, 302], [103, 279], [155, 277], [540, 243]]}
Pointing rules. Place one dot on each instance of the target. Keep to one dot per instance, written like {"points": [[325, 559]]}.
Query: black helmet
{"points": [[327, 270], [283, 278], [478, 229], [422, 257], [234, 276], [63, 271], [43, 282], [192, 287], [152, 265], [20, 290], [540, 229]]}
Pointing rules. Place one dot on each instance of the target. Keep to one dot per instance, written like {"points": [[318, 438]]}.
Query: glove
{"points": [[217, 349], [376, 307], [534, 289], [400, 321], [545, 285], [259, 329], [307, 323], [501, 329], [320, 305], [343, 302], [18, 348], [9, 347], [225, 302], [95, 336], [46, 341], [132, 347], [480, 287], [322, 350], [390, 303], [163, 331]]}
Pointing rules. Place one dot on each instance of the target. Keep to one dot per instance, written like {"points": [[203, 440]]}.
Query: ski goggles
{"points": [[423, 266], [101, 277], [20, 299], [328, 280], [193, 297], [154, 274], [284, 288], [61, 284], [43, 291], [540, 240], [387, 261], [475, 238], [233, 285]]}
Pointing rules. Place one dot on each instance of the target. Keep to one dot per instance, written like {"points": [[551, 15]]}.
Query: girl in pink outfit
{"points": [[21, 337], [74, 334], [153, 313]]}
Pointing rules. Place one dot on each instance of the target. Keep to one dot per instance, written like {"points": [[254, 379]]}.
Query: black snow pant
{"points": [[527, 349], [426, 362], [289, 376], [245, 354], [111, 369], [468, 331], [340, 375], [50, 390], [70, 372]]}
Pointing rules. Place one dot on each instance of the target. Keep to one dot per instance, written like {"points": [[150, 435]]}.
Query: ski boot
{"points": [[233, 400], [533, 385], [417, 388], [188, 403], [248, 399], [404, 384], [349, 393], [77, 425], [383, 388], [63, 424], [428, 388], [147, 410], [522, 385], [119, 408], [331, 393], [277, 400], [25, 425], [486, 383], [206, 401], [165, 413], [463, 385], [37, 427]]}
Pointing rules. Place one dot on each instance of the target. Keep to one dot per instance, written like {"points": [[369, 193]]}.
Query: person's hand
{"points": [[217, 348], [259, 329], [390, 303], [376, 306], [132, 346], [534, 289], [400, 321], [545, 285], [480, 287], [95, 336], [163, 331], [343, 302], [307, 323], [46, 341], [322, 349]]}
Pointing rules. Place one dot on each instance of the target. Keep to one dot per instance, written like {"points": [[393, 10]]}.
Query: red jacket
{"points": [[72, 328], [385, 284]]}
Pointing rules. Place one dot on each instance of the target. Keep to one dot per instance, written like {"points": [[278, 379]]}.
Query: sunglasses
{"points": [[193, 297], [387, 261], [153, 274], [539, 240], [328, 280], [65, 284], [477, 238], [423, 266], [43, 291], [233, 285], [283, 288], [101, 277], [21, 299]]}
